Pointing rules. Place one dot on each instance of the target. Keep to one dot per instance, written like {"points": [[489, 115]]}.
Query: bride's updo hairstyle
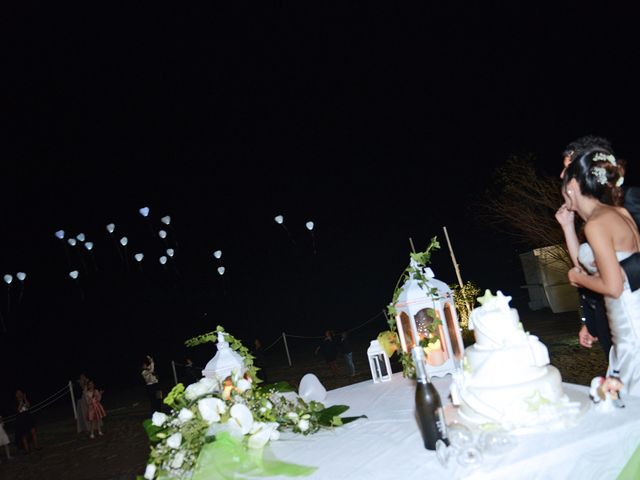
{"points": [[599, 174]]}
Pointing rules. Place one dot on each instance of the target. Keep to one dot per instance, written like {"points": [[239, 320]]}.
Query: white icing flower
{"points": [[150, 472], [174, 440], [303, 425], [242, 417], [158, 419], [178, 460], [185, 415], [211, 409], [198, 389]]}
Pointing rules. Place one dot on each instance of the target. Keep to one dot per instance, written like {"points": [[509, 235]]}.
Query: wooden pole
{"points": [[413, 249], [456, 267], [286, 347], [453, 258], [73, 400]]}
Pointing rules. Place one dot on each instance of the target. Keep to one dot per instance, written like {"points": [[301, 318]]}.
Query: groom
{"points": [[595, 325]]}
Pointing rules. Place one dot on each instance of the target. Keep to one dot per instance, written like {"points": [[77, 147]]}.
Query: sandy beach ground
{"points": [[122, 452]]}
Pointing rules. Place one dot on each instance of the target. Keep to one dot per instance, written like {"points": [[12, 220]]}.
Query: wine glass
{"points": [[496, 441]]}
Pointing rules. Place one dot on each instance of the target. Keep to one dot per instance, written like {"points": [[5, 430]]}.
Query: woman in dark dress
{"points": [[25, 426]]}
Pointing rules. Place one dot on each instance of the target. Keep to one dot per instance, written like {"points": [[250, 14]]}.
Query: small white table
{"points": [[387, 444]]}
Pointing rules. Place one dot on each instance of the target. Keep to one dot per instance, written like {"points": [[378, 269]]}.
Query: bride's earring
{"points": [[569, 192]]}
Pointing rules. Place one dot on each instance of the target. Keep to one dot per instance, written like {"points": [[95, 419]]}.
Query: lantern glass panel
{"points": [[454, 334], [406, 330], [380, 366], [423, 322]]}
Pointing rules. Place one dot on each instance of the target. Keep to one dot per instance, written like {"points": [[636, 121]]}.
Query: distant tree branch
{"points": [[522, 204]]}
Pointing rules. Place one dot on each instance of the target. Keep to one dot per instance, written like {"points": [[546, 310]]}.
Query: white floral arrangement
{"points": [[219, 429]]}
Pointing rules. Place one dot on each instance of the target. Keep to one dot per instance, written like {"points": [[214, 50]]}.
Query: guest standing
{"points": [[4, 440], [329, 351], [82, 425], [152, 385], [26, 435], [345, 348], [95, 410], [260, 360]]}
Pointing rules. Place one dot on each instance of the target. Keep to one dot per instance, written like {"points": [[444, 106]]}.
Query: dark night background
{"points": [[376, 123]]}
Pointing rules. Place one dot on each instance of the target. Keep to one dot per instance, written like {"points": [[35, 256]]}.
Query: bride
{"points": [[591, 188]]}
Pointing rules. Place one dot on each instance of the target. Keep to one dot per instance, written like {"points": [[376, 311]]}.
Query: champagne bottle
{"points": [[429, 411]]}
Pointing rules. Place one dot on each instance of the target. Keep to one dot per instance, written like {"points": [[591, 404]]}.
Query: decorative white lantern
{"points": [[378, 362], [419, 305], [225, 363]]}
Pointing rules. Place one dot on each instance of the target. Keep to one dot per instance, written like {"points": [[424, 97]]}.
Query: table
{"points": [[388, 443]]}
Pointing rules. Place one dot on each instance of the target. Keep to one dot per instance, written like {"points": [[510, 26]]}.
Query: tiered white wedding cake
{"points": [[507, 379]]}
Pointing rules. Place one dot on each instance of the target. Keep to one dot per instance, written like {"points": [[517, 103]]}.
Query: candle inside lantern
{"points": [[435, 355]]}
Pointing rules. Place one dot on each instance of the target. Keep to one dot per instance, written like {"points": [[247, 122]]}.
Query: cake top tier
{"points": [[495, 323]]}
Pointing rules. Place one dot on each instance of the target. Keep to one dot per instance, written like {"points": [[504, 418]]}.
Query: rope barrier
{"points": [[273, 343], [51, 399]]}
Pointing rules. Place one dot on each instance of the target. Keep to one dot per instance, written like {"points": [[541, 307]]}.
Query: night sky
{"points": [[376, 123]]}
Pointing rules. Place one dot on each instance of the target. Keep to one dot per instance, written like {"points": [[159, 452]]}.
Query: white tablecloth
{"points": [[388, 443]]}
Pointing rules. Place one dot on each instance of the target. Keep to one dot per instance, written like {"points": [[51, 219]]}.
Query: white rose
{"points": [[293, 416], [203, 387], [150, 472], [174, 440], [303, 425], [243, 385], [158, 419], [211, 409], [178, 460], [185, 415]]}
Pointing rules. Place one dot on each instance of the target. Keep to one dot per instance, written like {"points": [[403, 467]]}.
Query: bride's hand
{"points": [[575, 274], [564, 216]]}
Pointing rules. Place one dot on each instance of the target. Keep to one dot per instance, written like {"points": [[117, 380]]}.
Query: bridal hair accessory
{"points": [[606, 157], [600, 173]]}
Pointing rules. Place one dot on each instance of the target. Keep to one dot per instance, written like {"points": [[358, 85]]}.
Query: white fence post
{"points": [[73, 400], [175, 375], [286, 347]]}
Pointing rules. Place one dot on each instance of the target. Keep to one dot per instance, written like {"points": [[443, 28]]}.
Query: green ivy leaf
{"points": [[152, 431]]}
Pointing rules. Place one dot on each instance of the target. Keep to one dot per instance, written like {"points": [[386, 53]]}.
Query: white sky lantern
{"points": [[60, 234], [74, 274], [163, 260], [218, 254], [88, 246], [111, 227], [221, 270], [378, 362], [124, 241], [279, 219], [8, 279], [80, 237], [144, 211], [417, 308], [225, 362], [138, 257], [21, 276], [162, 234], [166, 219], [170, 252], [309, 226], [72, 242]]}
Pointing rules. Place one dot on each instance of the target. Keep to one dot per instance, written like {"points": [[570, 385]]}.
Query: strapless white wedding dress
{"points": [[624, 321]]}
